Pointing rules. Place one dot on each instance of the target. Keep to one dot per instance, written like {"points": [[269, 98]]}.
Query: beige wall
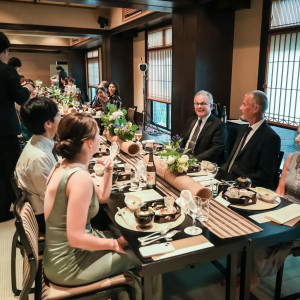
{"points": [[38, 40], [37, 65], [138, 53], [245, 54]]}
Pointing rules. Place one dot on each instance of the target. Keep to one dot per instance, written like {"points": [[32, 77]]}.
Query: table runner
{"points": [[223, 222]]}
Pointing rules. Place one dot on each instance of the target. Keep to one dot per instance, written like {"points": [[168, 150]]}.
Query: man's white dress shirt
{"points": [[33, 169]]}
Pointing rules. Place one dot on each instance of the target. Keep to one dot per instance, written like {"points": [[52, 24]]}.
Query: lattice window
{"points": [[159, 50], [283, 69], [93, 72]]}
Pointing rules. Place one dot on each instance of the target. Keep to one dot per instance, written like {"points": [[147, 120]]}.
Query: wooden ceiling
{"points": [[152, 5]]}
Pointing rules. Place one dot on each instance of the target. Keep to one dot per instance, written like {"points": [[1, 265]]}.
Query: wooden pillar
{"points": [[202, 59], [78, 71], [117, 64]]}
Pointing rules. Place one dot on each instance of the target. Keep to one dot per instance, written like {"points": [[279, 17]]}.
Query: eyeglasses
{"points": [[201, 103]]}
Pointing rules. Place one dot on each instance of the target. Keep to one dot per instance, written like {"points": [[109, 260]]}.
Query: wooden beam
{"points": [[55, 30]]}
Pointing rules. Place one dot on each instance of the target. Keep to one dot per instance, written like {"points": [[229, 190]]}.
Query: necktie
{"points": [[239, 148], [192, 142]]}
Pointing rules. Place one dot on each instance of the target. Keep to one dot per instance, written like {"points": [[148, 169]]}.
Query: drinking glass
{"points": [[138, 135], [194, 211], [135, 181], [169, 202], [204, 206], [84, 107], [114, 151], [211, 170]]}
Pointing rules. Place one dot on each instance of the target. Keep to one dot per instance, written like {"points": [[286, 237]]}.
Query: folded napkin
{"points": [[130, 147], [284, 214], [180, 182]]}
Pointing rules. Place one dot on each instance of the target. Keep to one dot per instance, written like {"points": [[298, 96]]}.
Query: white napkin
{"points": [[184, 199]]}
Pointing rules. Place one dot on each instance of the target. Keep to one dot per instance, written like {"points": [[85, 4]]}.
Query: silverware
{"points": [[167, 236], [154, 234], [121, 214]]}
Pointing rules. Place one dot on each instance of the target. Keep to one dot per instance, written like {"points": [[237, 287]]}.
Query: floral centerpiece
{"points": [[115, 123], [175, 156]]}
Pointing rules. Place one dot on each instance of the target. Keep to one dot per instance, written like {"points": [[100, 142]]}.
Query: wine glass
{"points": [[211, 170], [193, 207], [115, 150], [138, 135]]}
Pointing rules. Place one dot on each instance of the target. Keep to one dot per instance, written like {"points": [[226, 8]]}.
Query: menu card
{"points": [[284, 214]]}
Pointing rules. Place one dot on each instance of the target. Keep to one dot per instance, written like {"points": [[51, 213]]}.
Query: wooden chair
{"points": [[16, 243], [131, 114], [295, 252], [27, 229]]}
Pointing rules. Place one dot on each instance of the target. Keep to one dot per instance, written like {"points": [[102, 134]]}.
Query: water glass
{"points": [[135, 181], [204, 205], [169, 202]]}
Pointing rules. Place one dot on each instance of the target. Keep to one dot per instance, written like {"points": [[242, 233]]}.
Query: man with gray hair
{"points": [[256, 149], [204, 133]]}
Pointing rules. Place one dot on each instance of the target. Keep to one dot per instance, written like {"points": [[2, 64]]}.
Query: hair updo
{"points": [[72, 131]]}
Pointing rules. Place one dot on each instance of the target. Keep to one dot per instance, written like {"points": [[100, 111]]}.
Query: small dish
{"points": [[266, 195], [133, 202]]}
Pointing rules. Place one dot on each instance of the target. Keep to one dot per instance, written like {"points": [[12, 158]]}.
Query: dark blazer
{"points": [[258, 159], [211, 141], [11, 91]]}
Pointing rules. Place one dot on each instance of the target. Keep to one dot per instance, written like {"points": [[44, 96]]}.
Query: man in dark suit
{"points": [[205, 134], [256, 150], [11, 92], [61, 75]]}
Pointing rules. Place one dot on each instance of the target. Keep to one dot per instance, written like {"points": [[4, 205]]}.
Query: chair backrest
{"points": [[131, 114], [278, 170], [28, 231]]}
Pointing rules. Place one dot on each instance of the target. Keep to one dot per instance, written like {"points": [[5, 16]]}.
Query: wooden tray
{"points": [[166, 218], [259, 205]]}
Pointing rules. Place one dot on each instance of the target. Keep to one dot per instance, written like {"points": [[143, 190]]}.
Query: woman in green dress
{"points": [[75, 254]]}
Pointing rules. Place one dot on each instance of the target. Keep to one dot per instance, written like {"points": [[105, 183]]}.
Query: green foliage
{"points": [[175, 156], [115, 123]]}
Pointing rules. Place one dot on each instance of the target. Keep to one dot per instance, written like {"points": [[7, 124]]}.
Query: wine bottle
{"points": [[224, 115], [151, 171]]}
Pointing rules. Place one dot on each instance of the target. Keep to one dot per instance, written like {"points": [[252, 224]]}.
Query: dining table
{"points": [[226, 233]]}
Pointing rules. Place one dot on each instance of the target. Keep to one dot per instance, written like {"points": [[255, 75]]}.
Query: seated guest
{"points": [[41, 117], [256, 150], [289, 184], [269, 260], [205, 134], [114, 94], [104, 84], [70, 85], [76, 254], [100, 101]]}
